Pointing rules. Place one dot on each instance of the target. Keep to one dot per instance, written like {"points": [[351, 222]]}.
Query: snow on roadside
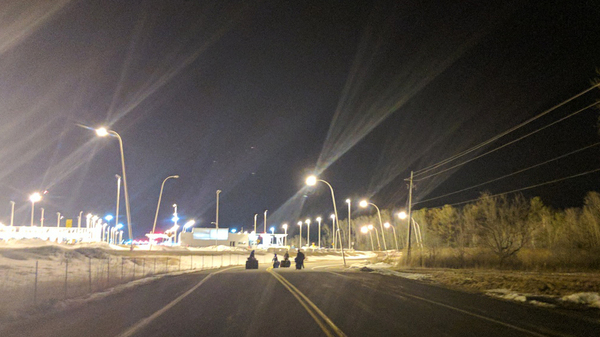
{"points": [[586, 299], [384, 269]]}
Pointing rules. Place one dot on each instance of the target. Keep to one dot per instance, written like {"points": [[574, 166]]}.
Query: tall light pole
{"points": [[118, 197], [12, 213], [388, 225], [364, 204], [217, 217], [255, 216], [159, 198], [57, 219], [42, 218], [300, 237], [371, 227], [285, 226], [307, 222], [265, 218], [34, 197], [349, 202], [311, 181], [334, 239], [365, 230], [319, 221], [175, 217], [79, 220], [88, 217], [409, 216], [103, 132]]}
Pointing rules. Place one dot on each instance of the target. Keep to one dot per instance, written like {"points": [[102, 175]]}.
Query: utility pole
{"points": [[265, 221], [217, 217], [410, 188]]}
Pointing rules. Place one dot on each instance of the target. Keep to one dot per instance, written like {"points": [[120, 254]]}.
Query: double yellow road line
{"points": [[328, 327]]}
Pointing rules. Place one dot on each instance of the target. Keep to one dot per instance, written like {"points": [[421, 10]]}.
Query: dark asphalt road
{"points": [[326, 301]]}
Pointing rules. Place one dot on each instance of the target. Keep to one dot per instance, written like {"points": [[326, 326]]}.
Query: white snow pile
{"points": [[384, 269], [589, 299]]}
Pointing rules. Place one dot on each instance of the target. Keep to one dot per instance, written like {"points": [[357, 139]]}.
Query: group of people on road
{"points": [[299, 259]]}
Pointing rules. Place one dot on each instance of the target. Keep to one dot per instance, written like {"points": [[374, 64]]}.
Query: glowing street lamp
{"points": [[175, 217], [387, 225], [300, 237], [189, 224], [319, 221], [364, 203], [371, 227], [285, 227], [365, 230], [312, 181], [103, 132], [35, 197]]}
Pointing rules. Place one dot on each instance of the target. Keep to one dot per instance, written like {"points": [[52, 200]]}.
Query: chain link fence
{"points": [[44, 282]]}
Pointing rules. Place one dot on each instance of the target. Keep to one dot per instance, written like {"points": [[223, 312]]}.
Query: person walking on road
{"points": [[299, 260], [275, 262]]}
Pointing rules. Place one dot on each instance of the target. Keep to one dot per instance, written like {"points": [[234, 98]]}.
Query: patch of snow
{"points": [[384, 269], [589, 299]]}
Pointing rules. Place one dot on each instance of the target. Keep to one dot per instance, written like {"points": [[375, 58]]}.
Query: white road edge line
{"points": [[145, 321], [327, 266], [463, 311]]}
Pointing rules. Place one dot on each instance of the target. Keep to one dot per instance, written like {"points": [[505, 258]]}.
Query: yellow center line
{"points": [[322, 320]]}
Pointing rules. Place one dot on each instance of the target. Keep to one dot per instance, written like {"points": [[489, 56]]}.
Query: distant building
{"points": [[204, 237]]}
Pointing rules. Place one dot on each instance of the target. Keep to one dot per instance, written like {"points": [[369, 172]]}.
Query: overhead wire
{"points": [[509, 143], [510, 174], [476, 147], [527, 188]]}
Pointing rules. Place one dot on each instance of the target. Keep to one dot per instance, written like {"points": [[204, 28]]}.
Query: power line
{"points": [[528, 187], [476, 147], [511, 174], [509, 143]]}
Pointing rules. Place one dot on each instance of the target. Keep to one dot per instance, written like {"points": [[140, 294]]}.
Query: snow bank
{"points": [[587, 299], [384, 269]]}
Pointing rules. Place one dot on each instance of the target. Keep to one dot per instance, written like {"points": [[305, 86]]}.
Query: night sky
{"points": [[251, 97]]}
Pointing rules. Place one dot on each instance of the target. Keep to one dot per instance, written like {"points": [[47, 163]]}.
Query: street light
{"points": [[307, 222], [175, 217], [319, 221], [159, 198], [189, 224], [255, 216], [118, 197], [364, 204], [334, 239], [42, 217], [349, 202], [217, 217], [58, 217], [12, 212], [387, 225], [103, 132], [371, 227], [265, 219], [312, 181], [300, 237], [34, 197], [285, 227], [365, 230]]}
